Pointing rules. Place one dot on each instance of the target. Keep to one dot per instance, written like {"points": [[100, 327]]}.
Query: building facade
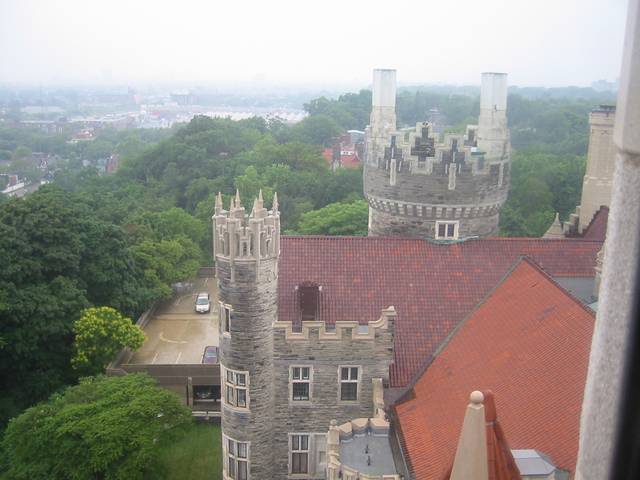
{"points": [[284, 381], [321, 340], [418, 186]]}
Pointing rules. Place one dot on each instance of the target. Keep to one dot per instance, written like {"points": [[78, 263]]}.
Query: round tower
{"points": [[445, 189], [246, 250]]}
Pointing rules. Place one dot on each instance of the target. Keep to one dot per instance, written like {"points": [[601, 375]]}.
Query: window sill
{"points": [[235, 409], [300, 403]]}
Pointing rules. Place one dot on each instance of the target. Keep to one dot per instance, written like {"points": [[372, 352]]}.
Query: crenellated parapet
{"points": [[418, 184], [340, 330], [242, 237]]}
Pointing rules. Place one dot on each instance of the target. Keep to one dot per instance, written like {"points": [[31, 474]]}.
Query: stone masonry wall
{"points": [[253, 297], [412, 206], [385, 223], [325, 357]]}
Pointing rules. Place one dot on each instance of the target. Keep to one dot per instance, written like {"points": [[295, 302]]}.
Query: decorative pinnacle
{"points": [[218, 203], [274, 207], [476, 397], [238, 204], [260, 199], [232, 205]]}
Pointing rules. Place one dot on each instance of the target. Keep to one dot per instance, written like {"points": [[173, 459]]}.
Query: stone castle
{"points": [[326, 341], [419, 187]]}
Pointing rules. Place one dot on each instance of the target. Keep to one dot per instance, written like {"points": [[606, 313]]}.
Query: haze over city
{"points": [[327, 44]]}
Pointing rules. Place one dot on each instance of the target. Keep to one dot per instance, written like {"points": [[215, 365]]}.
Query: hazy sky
{"points": [[315, 43]]}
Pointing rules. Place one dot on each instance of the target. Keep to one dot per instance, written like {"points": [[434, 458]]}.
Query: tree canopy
{"points": [[100, 333], [107, 428]]}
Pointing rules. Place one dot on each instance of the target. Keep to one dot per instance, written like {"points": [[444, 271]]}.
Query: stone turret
{"points": [[246, 250], [417, 185], [598, 178]]}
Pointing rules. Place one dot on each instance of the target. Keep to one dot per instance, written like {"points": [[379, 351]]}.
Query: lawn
{"points": [[196, 455]]}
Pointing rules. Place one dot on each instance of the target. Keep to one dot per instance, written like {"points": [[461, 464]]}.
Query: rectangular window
{"points": [[349, 383], [236, 456], [446, 230], [225, 318], [299, 454], [300, 383], [235, 388]]}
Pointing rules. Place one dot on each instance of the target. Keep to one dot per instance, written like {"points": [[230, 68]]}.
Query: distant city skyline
{"points": [[286, 44]]}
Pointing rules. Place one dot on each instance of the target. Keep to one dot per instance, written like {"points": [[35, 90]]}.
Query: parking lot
{"points": [[176, 334]]}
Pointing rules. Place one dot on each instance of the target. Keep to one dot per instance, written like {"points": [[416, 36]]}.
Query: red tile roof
{"points": [[432, 286], [350, 161], [346, 160], [597, 228], [500, 462], [529, 342]]}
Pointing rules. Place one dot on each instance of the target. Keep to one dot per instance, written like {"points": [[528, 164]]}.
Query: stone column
{"points": [[601, 408]]}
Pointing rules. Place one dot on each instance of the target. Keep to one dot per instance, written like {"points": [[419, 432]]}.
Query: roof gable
{"points": [[432, 286], [529, 343]]}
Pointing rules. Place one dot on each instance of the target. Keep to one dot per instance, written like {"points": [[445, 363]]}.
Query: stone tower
{"points": [[417, 185], [596, 186], [246, 250]]}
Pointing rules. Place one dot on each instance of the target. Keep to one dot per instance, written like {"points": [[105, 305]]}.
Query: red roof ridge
{"points": [[564, 290], [407, 394], [425, 421], [434, 242]]}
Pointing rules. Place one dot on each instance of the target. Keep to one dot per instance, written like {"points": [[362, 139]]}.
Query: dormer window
{"points": [[309, 301]]}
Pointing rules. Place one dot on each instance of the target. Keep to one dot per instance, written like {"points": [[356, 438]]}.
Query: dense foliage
{"points": [[106, 428], [541, 185], [58, 258], [100, 333], [336, 219]]}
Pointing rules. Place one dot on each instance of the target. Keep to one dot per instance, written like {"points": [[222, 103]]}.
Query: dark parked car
{"points": [[210, 355]]}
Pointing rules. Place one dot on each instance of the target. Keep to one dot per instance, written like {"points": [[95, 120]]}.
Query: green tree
{"points": [[58, 259], [336, 219], [100, 333], [167, 261], [107, 428], [317, 130]]}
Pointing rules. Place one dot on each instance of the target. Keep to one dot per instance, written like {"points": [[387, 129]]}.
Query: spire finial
{"points": [[255, 207], [238, 204], [232, 205], [476, 397], [218, 206], [275, 206]]}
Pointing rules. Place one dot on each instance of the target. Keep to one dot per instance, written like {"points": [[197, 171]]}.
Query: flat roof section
{"points": [[370, 454], [176, 334]]}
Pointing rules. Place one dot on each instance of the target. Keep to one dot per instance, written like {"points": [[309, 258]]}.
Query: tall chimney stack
{"points": [[492, 124]]}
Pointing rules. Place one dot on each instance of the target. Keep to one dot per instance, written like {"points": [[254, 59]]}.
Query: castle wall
{"points": [[317, 348], [414, 204]]}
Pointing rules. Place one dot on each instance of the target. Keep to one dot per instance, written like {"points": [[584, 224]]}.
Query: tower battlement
{"points": [[238, 236], [417, 185]]}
